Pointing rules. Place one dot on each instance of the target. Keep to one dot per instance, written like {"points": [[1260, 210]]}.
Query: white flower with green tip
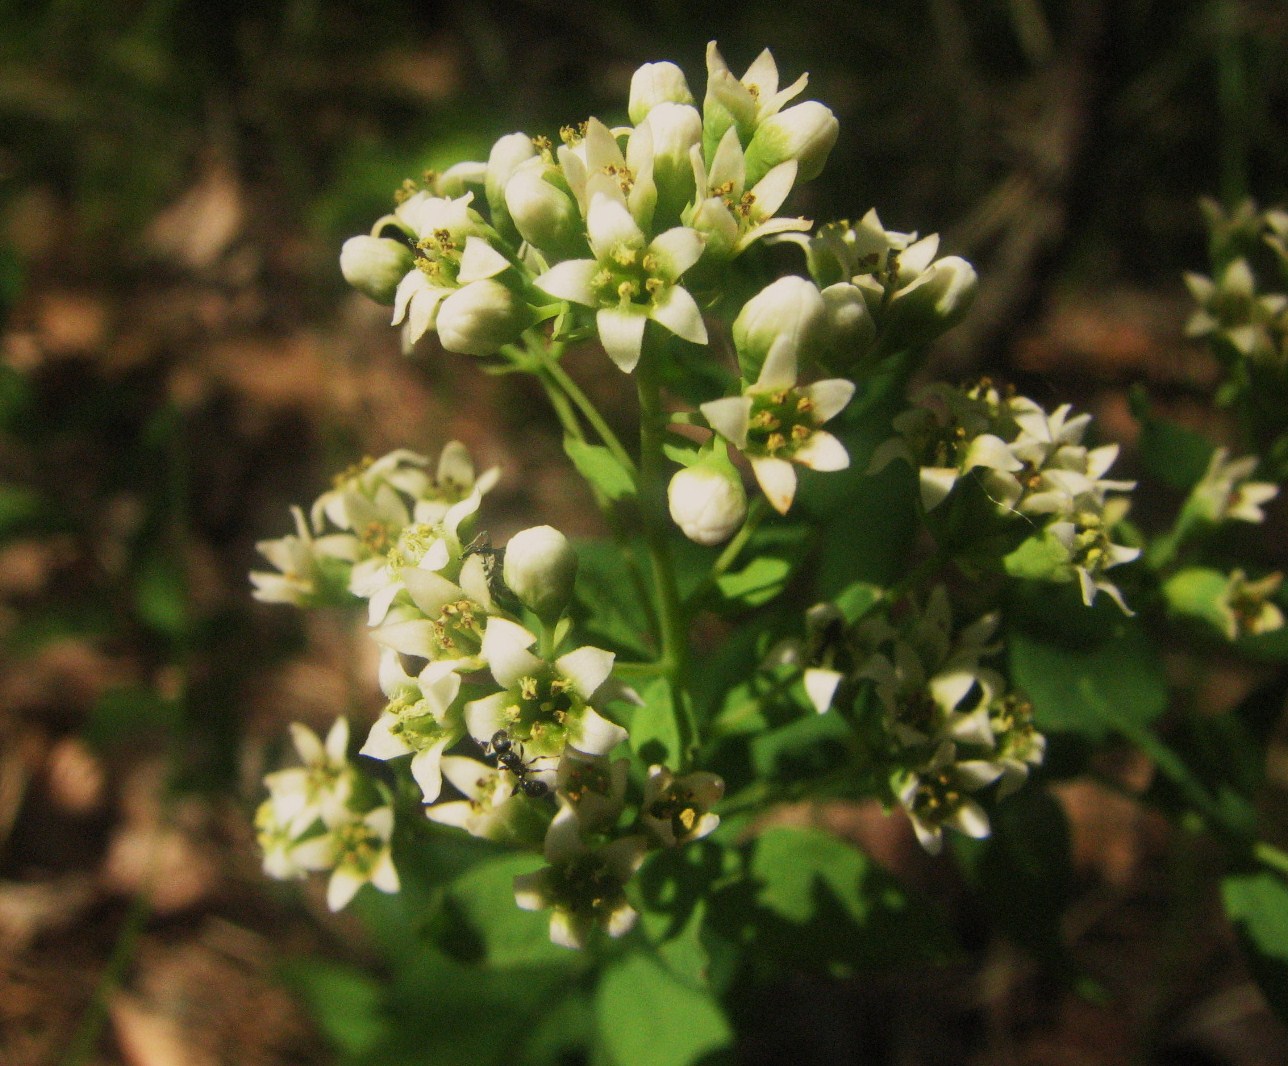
{"points": [[421, 719], [544, 706], [1225, 492], [321, 787], [742, 103], [583, 886], [631, 281], [591, 789], [776, 424], [400, 471], [1086, 540], [654, 84], [300, 559], [726, 212], [594, 165], [445, 619], [356, 850]]}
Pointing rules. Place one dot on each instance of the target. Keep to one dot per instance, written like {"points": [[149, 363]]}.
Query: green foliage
{"points": [[600, 468], [1257, 904], [1092, 690]]}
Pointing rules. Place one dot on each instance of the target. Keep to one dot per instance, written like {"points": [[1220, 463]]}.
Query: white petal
{"points": [[936, 483], [342, 887], [678, 311], [479, 260], [777, 479], [587, 668], [621, 332], [505, 645], [595, 734], [385, 875], [621, 921], [571, 281], [822, 451], [469, 776], [425, 769], [430, 591], [484, 717], [829, 397], [381, 743], [773, 188], [821, 686], [678, 248], [729, 417], [609, 224], [565, 931], [532, 891], [307, 744], [970, 819]]}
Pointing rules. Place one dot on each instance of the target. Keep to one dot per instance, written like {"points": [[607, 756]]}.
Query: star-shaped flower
{"points": [[630, 281]]}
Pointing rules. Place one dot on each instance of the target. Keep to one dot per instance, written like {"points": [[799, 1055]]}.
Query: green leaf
{"points": [[815, 902], [775, 552], [1257, 904], [598, 466], [608, 610], [161, 595], [483, 900], [1038, 558], [1168, 451], [346, 1003], [649, 1018], [1090, 690], [121, 716], [653, 734]]}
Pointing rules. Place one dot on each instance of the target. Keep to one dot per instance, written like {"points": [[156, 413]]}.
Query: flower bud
{"points": [[507, 155], [848, 327], [545, 216], [776, 326], [375, 265], [656, 83], [480, 318], [708, 501], [675, 129], [935, 302], [540, 568], [805, 133]]}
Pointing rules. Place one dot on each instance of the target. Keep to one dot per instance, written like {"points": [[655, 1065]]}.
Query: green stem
{"points": [[672, 621], [549, 357], [756, 513], [1271, 856]]}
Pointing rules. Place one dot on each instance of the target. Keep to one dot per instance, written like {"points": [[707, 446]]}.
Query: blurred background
{"points": [[180, 361]]}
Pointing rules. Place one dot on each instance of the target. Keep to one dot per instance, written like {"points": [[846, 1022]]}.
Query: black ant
{"points": [[509, 755]]}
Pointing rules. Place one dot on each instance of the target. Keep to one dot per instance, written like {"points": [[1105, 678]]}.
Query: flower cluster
{"points": [[946, 726], [462, 674], [1243, 306], [610, 220], [326, 815], [1033, 466]]}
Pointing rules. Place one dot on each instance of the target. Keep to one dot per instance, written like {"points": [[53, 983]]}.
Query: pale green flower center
{"points": [[544, 707], [439, 257], [781, 422], [627, 276]]}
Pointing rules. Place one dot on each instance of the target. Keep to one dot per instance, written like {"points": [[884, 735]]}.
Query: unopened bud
{"points": [[656, 83], [545, 216], [848, 325], [776, 326], [674, 129], [507, 155], [540, 568], [935, 302], [480, 318], [375, 265], [707, 501], [805, 133]]}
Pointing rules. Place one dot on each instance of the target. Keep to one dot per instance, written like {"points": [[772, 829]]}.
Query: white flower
{"points": [[1086, 539], [594, 165], [375, 265], [356, 850], [592, 789], [743, 103], [677, 810], [1248, 608], [803, 134], [445, 620], [776, 424], [398, 471], [630, 281], [654, 84], [728, 214], [937, 796], [540, 568], [421, 719], [492, 808], [301, 579], [1225, 493], [1019, 745], [583, 886], [544, 706], [321, 788]]}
